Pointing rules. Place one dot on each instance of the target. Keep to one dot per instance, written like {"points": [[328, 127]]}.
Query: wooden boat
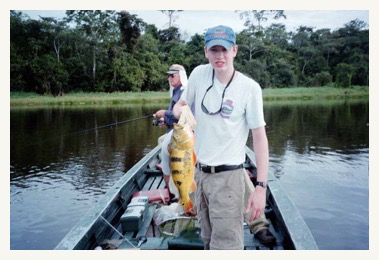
{"points": [[103, 226]]}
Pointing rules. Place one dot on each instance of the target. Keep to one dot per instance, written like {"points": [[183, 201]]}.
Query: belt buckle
{"points": [[204, 168]]}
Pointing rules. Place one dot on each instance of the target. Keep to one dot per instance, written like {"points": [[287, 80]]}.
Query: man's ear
{"points": [[235, 50], [205, 52]]}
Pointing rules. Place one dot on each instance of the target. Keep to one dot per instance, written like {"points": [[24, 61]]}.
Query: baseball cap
{"points": [[220, 35], [174, 69]]}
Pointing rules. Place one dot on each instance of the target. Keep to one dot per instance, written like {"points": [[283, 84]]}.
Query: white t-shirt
{"points": [[221, 139]]}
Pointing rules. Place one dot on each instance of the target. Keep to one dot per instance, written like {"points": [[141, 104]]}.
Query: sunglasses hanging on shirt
{"points": [[205, 110]]}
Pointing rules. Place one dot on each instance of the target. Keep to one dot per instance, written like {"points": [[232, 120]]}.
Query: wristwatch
{"points": [[262, 184]]}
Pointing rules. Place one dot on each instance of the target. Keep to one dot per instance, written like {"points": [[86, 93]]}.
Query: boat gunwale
{"points": [[286, 211], [81, 229]]}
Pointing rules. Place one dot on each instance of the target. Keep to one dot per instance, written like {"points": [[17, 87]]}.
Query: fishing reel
{"points": [[157, 122]]}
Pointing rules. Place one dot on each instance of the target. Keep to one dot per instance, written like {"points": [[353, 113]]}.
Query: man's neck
{"points": [[224, 76]]}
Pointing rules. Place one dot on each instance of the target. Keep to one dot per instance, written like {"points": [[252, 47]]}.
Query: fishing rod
{"points": [[104, 126], [90, 129]]}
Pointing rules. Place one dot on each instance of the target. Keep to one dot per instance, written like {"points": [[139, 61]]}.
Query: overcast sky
{"points": [[196, 21]]}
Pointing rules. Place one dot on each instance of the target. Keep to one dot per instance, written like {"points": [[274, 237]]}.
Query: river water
{"points": [[62, 160]]}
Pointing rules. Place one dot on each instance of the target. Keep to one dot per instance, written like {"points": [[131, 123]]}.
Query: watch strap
{"points": [[262, 184]]}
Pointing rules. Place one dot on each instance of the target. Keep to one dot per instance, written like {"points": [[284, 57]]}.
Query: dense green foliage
{"points": [[108, 51]]}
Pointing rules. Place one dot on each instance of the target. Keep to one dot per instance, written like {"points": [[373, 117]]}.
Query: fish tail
{"points": [[188, 206], [186, 203]]}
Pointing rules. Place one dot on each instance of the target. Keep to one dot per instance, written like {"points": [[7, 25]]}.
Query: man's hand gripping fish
{"points": [[182, 164]]}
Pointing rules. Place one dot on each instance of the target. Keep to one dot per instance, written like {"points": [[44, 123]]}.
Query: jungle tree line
{"points": [[107, 51]]}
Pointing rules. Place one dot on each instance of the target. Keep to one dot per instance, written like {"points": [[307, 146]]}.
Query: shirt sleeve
{"points": [[254, 108], [169, 117], [188, 95]]}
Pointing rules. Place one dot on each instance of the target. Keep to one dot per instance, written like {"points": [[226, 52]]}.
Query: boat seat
{"points": [[147, 221]]}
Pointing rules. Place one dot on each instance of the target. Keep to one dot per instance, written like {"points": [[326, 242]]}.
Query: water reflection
{"points": [[58, 171], [320, 152], [318, 128], [55, 135]]}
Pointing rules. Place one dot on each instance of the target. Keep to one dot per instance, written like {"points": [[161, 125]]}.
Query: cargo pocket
{"points": [[228, 199], [226, 208]]}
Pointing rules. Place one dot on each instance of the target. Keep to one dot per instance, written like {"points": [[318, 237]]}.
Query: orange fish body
{"points": [[182, 164]]}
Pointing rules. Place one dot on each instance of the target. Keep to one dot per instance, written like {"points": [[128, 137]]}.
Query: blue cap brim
{"points": [[218, 42]]}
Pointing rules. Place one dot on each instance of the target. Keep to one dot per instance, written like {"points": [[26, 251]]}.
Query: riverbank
{"points": [[315, 93]]}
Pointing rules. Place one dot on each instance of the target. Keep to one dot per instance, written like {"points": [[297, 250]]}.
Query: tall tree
{"points": [[255, 30], [57, 31], [18, 51], [171, 16], [326, 44], [304, 46], [255, 18], [130, 28], [96, 25]]}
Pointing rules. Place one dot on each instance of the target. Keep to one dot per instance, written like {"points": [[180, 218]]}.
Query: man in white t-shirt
{"points": [[228, 104]]}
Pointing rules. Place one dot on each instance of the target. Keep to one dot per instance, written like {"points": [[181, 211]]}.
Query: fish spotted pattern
{"points": [[182, 164]]}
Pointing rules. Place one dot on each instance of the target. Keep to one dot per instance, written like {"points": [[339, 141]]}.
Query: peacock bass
{"points": [[182, 164]]}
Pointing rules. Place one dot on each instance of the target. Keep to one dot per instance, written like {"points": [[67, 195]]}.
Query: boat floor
{"points": [[191, 240]]}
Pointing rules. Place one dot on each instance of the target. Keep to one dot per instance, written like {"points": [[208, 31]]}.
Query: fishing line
{"points": [[88, 130], [118, 232], [104, 126]]}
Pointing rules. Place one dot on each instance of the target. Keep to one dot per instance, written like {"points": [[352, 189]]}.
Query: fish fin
{"points": [[194, 158], [189, 206], [193, 186]]}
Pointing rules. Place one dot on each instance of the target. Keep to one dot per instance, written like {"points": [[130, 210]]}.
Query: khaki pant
{"points": [[221, 201]]}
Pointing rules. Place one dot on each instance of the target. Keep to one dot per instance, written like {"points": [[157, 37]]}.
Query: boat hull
{"points": [[101, 224]]}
